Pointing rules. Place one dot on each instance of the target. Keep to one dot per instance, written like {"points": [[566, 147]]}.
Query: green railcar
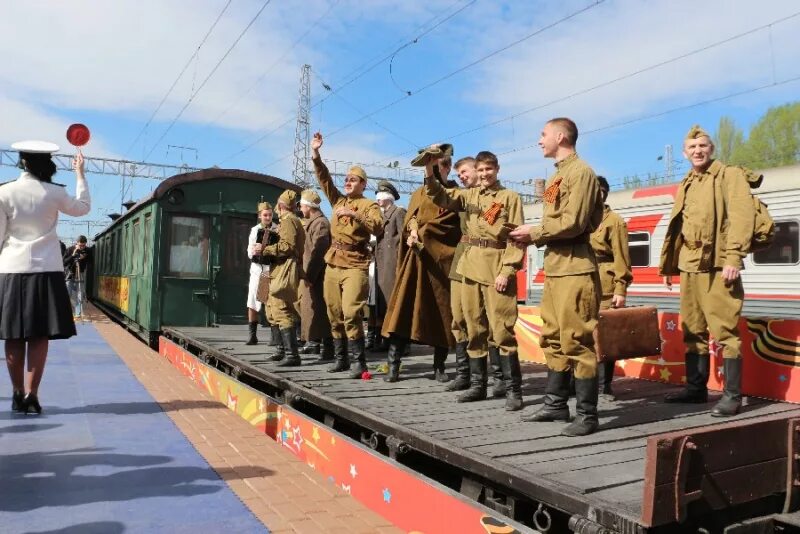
{"points": [[178, 256]]}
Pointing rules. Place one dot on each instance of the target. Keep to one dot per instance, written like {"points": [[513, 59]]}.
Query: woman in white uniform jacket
{"points": [[34, 303], [258, 264]]}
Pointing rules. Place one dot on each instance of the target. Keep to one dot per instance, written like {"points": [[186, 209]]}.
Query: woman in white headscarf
{"points": [[34, 303]]}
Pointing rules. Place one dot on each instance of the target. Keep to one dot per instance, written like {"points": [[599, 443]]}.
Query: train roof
{"points": [[775, 179], [212, 173]]}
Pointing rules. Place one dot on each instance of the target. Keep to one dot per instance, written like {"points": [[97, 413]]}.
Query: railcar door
{"points": [[231, 269]]}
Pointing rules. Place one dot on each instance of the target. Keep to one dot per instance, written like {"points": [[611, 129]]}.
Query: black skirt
{"points": [[35, 305]]}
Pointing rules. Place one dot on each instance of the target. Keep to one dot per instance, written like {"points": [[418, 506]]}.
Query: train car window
{"points": [[785, 250], [188, 246], [639, 248], [235, 244]]}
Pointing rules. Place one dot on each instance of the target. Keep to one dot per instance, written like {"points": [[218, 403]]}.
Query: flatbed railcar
{"points": [[177, 257]]}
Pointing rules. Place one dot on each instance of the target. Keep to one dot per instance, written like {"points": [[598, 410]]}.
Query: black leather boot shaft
{"points": [[274, 335], [731, 402], [397, 346], [358, 358], [326, 351], [478, 381], [499, 384], [555, 399], [341, 361], [585, 421], [696, 390], [290, 348], [310, 347], [512, 376], [605, 375], [439, 359], [462, 369], [281, 352], [252, 328]]}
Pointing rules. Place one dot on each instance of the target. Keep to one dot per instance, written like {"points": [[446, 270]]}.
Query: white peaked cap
{"points": [[35, 147]]}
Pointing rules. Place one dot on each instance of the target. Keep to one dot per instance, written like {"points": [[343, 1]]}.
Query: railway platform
{"points": [[125, 444]]}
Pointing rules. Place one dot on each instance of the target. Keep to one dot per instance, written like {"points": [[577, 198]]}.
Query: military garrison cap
{"points": [[435, 151], [386, 187], [264, 206], [696, 132], [355, 170], [289, 198], [310, 198]]}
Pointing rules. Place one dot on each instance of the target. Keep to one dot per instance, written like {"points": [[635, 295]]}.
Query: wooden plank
{"points": [[581, 465], [679, 462], [600, 477]]}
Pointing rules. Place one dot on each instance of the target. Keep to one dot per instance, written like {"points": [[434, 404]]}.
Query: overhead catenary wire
{"points": [[208, 77], [177, 79]]}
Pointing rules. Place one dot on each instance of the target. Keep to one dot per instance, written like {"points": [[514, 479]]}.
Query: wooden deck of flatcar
{"points": [[599, 476]]}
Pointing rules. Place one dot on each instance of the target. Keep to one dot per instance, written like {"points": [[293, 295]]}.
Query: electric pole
{"points": [[302, 132]]}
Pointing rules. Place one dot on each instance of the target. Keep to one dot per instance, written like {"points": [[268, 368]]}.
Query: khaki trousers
{"points": [[345, 292], [489, 315], [708, 305], [281, 312], [570, 307], [459, 325], [606, 284]]}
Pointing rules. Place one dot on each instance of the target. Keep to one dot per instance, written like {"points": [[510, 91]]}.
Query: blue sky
{"points": [[109, 64]]}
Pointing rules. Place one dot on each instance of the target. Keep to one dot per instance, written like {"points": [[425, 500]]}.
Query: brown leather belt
{"points": [[483, 243], [338, 245], [693, 245], [580, 240]]}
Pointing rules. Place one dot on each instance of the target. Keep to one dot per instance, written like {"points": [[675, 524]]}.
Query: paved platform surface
{"points": [[126, 444]]}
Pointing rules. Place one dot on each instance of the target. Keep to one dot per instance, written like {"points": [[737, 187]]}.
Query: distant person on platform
{"points": [[260, 236], [34, 303], [386, 250], [708, 236], [489, 268], [76, 259], [346, 284], [573, 209], [316, 328], [610, 245], [285, 275], [419, 306]]}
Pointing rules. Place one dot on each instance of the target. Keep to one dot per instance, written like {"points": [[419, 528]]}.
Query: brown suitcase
{"points": [[624, 333]]}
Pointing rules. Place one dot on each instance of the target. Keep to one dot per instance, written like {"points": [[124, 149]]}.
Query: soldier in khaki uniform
{"points": [[573, 209], [286, 264], [488, 266], [346, 280], [465, 168], [316, 329], [610, 245], [709, 234]]}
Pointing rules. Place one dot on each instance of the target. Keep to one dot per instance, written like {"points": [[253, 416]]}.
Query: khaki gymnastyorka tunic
{"points": [[286, 264], [610, 245]]}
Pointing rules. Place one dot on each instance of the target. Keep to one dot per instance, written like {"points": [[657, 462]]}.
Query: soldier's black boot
{"points": [[281, 352], [341, 362], [731, 402], [605, 374], [696, 391], [290, 348], [358, 358], [310, 347], [274, 335], [499, 384], [478, 380], [512, 376], [16, 400], [394, 356], [253, 329], [439, 357], [462, 369], [556, 393], [370, 343], [326, 351], [585, 421]]}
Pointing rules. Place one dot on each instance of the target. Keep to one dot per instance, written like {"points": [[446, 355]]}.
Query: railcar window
{"points": [[785, 250], [234, 258], [188, 246], [639, 248]]}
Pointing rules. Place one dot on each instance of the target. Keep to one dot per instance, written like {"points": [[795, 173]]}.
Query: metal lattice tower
{"points": [[302, 133]]}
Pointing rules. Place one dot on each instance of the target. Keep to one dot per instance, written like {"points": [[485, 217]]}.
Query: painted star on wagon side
{"points": [[298, 439], [665, 374], [671, 325], [353, 472]]}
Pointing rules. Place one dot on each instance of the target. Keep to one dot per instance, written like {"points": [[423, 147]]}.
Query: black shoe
{"points": [[512, 376], [274, 336], [439, 357], [696, 391], [253, 328], [16, 401], [462, 369], [499, 385], [358, 358], [396, 347], [731, 402], [585, 421], [555, 399], [31, 404], [341, 362], [326, 351], [477, 381], [292, 358], [311, 347], [281, 352]]}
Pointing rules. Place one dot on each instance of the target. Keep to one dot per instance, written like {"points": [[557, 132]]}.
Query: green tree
{"points": [[728, 140], [774, 140]]}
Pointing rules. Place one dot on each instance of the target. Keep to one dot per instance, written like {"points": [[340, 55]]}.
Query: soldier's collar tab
{"points": [[568, 159]]}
